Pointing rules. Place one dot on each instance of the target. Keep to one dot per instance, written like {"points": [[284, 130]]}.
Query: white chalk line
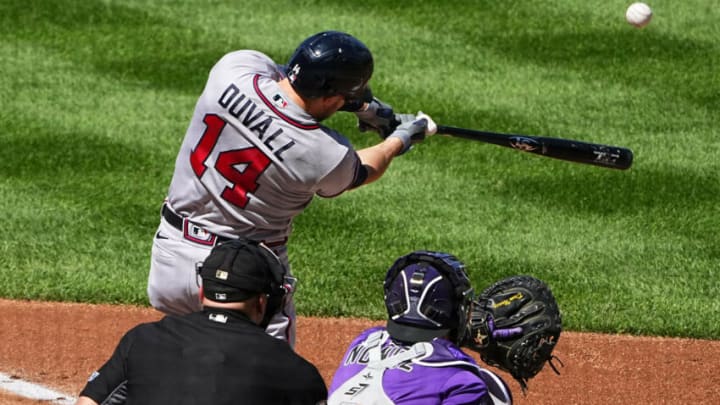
{"points": [[34, 391]]}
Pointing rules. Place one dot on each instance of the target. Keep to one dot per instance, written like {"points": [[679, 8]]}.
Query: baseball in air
{"points": [[639, 14]]}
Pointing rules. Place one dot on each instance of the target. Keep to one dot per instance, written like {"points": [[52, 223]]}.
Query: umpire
{"points": [[219, 355]]}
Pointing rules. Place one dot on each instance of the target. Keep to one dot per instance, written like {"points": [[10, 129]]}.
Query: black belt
{"points": [[177, 222]]}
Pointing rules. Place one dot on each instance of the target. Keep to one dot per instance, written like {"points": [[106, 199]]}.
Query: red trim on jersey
{"points": [[276, 111]]}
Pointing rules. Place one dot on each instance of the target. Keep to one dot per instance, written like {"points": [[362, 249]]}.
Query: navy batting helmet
{"points": [[427, 295], [331, 63]]}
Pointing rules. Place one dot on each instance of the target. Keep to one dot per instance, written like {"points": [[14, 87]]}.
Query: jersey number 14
{"points": [[254, 161]]}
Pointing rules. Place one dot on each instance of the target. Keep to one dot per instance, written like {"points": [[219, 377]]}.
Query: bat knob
{"points": [[431, 128]]}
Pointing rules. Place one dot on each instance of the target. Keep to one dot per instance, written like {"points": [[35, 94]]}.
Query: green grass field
{"points": [[96, 96]]}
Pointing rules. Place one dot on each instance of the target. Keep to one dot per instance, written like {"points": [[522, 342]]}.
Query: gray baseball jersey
{"points": [[251, 159], [250, 162]]}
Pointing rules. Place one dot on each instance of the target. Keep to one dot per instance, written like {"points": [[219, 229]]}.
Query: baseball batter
{"points": [[255, 154]]}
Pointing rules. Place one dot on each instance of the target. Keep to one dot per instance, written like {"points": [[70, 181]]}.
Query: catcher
{"points": [[416, 358]]}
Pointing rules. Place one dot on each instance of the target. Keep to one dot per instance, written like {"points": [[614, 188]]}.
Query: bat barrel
{"points": [[614, 157]]}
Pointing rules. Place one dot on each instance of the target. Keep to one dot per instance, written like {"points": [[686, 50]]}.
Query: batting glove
{"points": [[411, 130], [378, 117]]}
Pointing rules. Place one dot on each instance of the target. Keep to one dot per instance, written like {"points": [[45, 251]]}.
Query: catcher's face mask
{"points": [[427, 295]]}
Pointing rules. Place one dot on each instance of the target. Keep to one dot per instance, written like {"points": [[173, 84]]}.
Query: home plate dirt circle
{"points": [[58, 345]]}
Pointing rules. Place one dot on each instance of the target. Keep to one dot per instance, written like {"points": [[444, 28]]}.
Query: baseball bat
{"points": [[614, 157]]}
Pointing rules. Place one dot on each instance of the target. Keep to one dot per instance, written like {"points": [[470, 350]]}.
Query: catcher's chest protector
{"points": [[365, 388]]}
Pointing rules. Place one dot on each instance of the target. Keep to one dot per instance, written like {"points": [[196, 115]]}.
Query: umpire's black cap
{"points": [[240, 269]]}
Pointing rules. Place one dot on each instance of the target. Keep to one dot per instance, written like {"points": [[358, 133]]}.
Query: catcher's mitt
{"points": [[515, 325]]}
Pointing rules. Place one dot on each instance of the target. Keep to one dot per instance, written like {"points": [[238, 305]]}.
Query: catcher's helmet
{"points": [[330, 63], [239, 269], [427, 295]]}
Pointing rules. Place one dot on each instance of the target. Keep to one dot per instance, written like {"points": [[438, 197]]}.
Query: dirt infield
{"points": [[59, 345]]}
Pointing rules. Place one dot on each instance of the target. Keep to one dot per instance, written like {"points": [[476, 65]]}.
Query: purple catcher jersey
{"points": [[251, 159], [427, 373]]}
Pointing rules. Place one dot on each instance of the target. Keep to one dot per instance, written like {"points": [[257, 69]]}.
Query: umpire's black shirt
{"points": [[210, 357]]}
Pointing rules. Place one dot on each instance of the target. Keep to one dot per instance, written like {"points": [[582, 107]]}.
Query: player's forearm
{"points": [[377, 158]]}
